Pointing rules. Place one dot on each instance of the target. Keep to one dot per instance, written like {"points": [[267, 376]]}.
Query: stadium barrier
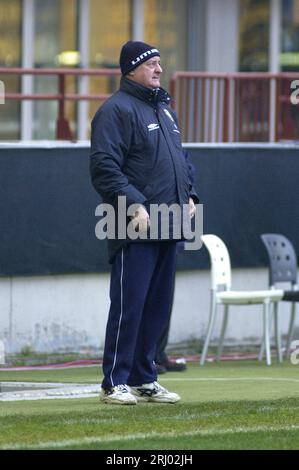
{"points": [[211, 107], [239, 107], [63, 129]]}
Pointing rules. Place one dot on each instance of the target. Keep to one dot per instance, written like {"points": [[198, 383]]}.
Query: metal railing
{"points": [[240, 107], [63, 130], [211, 107]]}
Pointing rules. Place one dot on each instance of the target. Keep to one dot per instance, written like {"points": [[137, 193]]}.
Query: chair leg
{"points": [[291, 329], [266, 332], [261, 352], [209, 330], [277, 332], [262, 348], [223, 329]]}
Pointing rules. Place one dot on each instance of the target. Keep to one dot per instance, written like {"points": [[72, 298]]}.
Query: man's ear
{"points": [[131, 73]]}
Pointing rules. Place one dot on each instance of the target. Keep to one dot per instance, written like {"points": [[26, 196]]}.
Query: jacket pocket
{"points": [[147, 190]]}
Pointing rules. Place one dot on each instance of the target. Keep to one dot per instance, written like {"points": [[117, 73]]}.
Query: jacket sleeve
{"points": [[191, 175], [191, 169], [111, 135]]}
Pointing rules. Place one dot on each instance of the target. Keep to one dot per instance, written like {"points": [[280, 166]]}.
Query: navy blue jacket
{"points": [[136, 151]]}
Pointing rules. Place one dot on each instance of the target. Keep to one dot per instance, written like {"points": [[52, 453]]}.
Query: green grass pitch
{"points": [[231, 405]]}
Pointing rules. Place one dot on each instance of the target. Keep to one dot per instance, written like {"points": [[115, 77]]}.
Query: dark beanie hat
{"points": [[134, 53]]}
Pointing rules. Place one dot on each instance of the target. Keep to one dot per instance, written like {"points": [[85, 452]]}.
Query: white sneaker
{"points": [[118, 395], [155, 393]]}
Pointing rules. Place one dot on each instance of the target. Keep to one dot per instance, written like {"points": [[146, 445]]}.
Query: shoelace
{"points": [[144, 391], [121, 388], [159, 387]]}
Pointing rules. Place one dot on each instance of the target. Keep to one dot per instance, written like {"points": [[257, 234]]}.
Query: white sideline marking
{"points": [[231, 379], [45, 368], [20, 385], [50, 391], [131, 437], [53, 390]]}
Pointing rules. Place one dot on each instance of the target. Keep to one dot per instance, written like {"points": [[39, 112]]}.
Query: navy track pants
{"points": [[141, 288]]}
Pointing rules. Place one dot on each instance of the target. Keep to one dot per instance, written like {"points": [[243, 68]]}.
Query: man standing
{"points": [[136, 153]]}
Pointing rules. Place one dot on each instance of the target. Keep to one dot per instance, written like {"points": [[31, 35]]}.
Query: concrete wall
{"points": [[61, 313], [54, 280]]}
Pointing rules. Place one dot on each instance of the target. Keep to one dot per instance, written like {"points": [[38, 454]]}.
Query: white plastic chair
{"points": [[221, 293]]}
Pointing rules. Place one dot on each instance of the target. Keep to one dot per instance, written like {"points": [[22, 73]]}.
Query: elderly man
{"points": [[136, 154]]}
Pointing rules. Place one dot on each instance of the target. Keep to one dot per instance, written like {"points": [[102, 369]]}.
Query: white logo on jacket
{"points": [[168, 114], [170, 117], [153, 126]]}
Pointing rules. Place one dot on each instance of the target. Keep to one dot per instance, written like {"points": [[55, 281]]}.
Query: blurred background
{"points": [[229, 66], [225, 36]]}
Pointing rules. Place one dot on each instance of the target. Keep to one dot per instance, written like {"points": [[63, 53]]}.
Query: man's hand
{"points": [[141, 220], [192, 207]]}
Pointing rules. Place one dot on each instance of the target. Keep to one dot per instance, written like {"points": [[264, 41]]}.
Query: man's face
{"points": [[148, 73]]}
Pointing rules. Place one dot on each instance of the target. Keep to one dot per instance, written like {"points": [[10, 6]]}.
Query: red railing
{"points": [[240, 107], [62, 125], [211, 107]]}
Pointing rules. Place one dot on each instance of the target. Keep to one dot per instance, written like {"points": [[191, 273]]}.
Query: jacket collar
{"points": [[145, 94]]}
